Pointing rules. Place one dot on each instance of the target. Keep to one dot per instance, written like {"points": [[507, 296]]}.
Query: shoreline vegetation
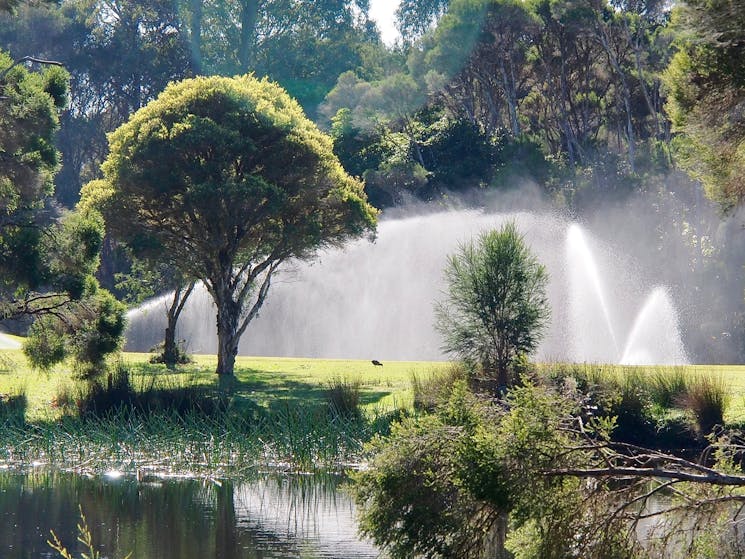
{"points": [[294, 414]]}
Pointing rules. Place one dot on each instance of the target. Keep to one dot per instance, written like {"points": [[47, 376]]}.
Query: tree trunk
{"points": [[170, 346], [228, 319], [230, 296], [496, 538], [249, 14], [605, 41], [170, 349], [196, 35], [510, 97]]}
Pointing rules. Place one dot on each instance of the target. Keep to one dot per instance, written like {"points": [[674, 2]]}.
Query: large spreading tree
{"points": [[229, 179]]}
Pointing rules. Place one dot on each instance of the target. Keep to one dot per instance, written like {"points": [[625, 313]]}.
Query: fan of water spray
{"points": [[375, 300], [655, 337], [588, 302]]}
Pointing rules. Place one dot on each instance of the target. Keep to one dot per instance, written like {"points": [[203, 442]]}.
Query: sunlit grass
{"points": [[279, 411], [266, 381], [730, 376]]}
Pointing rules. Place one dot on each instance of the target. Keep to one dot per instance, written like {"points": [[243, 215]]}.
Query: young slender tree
{"points": [[229, 178], [496, 306]]}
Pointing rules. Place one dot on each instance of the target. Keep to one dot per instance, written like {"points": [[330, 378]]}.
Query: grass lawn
{"points": [[273, 381], [266, 381]]}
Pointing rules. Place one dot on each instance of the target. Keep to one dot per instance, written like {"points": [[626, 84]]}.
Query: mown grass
{"points": [[264, 381]]}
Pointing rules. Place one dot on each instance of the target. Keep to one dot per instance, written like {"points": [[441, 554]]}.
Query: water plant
{"points": [[85, 537], [175, 428]]}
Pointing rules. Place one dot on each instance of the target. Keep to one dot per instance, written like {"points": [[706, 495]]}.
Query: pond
{"points": [[272, 516]]}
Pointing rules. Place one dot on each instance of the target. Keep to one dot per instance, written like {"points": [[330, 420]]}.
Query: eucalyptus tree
{"points": [[415, 17], [481, 48], [228, 177], [706, 81], [119, 53], [277, 38]]}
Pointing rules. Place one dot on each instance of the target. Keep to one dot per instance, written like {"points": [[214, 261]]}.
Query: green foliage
{"points": [[442, 485], [44, 347], [707, 89], [411, 500], [57, 85], [72, 250], [87, 330], [29, 120], [496, 306]]}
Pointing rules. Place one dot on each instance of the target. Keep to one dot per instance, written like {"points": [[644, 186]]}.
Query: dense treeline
{"points": [[481, 95]]}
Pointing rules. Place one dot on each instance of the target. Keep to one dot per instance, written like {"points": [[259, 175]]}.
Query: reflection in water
{"points": [[272, 517]]}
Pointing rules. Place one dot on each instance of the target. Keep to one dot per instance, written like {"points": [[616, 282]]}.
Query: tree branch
{"points": [[29, 59]]}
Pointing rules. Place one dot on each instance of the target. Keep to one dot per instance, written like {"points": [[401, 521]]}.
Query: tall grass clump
{"points": [[436, 387], [343, 396], [118, 392], [707, 399], [668, 386], [13, 407]]}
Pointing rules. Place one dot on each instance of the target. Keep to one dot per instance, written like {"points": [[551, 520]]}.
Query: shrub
{"points": [[181, 356], [496, 307]]}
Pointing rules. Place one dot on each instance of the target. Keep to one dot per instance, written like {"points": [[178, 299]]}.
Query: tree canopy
{"points": [[47, 256], [706, 79], [229, 178]]}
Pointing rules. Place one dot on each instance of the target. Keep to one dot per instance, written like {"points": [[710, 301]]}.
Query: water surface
{"points": [[269, 517]]}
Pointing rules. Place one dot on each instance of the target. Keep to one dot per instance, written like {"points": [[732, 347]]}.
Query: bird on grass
{"points": [[377, 363]]}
